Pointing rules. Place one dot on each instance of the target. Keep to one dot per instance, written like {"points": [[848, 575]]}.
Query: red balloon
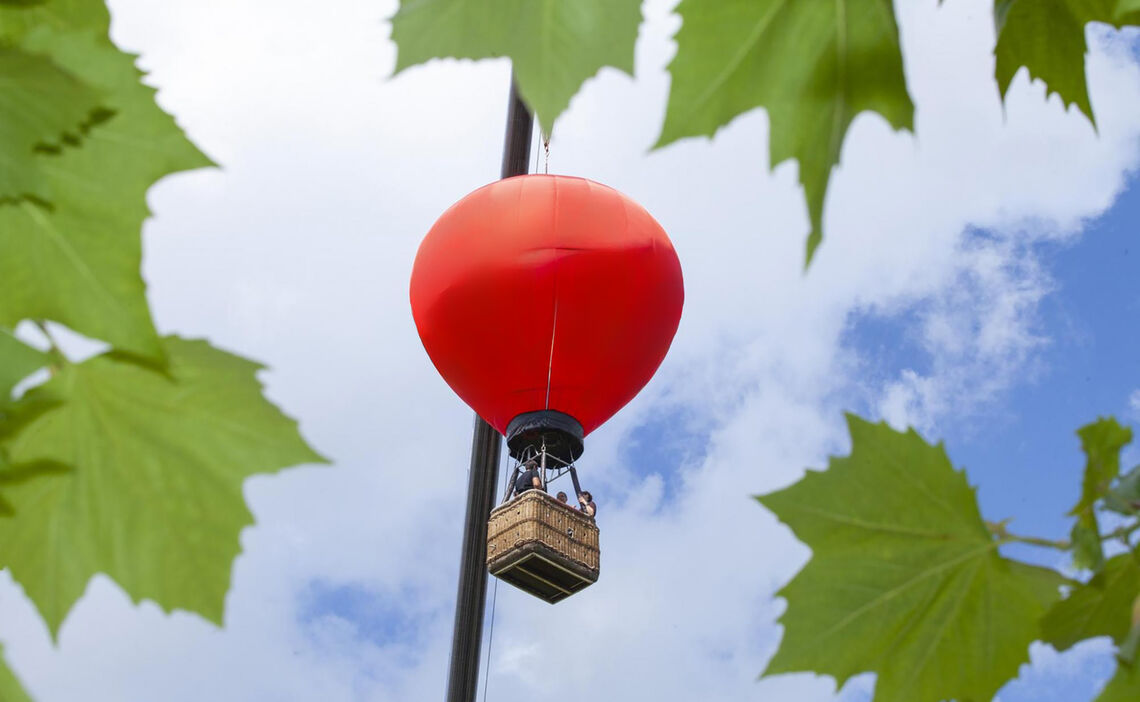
{"points": [[546, 292]]}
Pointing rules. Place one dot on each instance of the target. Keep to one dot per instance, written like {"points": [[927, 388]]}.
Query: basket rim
{"points": [[536, 494]]}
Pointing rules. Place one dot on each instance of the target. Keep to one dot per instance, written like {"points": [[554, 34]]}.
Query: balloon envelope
{"points": [[546, 292]]}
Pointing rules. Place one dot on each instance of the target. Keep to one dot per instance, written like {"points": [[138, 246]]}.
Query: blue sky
{"points": [[1021, 448], [1028, 460], [1032, 469], [972, 277]]}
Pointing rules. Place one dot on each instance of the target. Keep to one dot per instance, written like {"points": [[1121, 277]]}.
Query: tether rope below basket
{"points": [[542, 546]]}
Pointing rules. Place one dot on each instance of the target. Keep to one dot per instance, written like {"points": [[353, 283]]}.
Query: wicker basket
{"points": [[542, 546]]}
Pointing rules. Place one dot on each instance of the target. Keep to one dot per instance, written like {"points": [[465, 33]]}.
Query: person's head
{"points": [[561, 497], [587, 496], [530, 464]]}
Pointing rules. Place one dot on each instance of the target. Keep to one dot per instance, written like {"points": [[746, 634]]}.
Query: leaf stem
{"points": [[1059, 544], [1122, 533], [58, 359], [999, 530]]}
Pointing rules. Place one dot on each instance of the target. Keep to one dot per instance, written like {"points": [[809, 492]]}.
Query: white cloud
{"points": [[298, 253], [1089, 665], [979, 332]]}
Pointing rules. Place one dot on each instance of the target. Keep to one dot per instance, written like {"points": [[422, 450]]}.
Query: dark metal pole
{"points": [[516, 143], [471, 600]]}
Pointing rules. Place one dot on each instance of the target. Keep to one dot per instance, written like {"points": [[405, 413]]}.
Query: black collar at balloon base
{"points": [[559, 434]]}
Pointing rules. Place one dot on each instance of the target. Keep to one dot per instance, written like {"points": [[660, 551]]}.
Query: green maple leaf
{"points": [[1127, 649], [1127, 12], [1124, 497], [154, 499], [13, 474], [554, 45], [1124, 686], [1101, 441], [41, 105], [1048, 38], [1088, 552], [25, 16], [813, 65], [17, 361], [1100, 607], [76, 261], [10, 688], [905, 580]]}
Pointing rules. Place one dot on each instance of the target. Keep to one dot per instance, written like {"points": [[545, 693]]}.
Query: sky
{"points": [[975, 282]]}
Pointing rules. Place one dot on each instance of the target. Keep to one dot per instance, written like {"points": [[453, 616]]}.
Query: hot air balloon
{"points": [[586, 293]]}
